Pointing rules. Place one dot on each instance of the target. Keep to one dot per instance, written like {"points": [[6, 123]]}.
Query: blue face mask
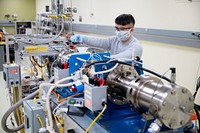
{"points": [[123, 35]]}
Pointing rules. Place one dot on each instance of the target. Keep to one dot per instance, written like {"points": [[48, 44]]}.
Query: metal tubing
{"points": [[7, 50]]}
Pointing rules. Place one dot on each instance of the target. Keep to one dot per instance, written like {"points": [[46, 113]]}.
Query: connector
{"points": [[103, 103], [61, 110], [78, 75], [173, 74], [173, 69], [155, 127], [42, 130], [59, 125]]}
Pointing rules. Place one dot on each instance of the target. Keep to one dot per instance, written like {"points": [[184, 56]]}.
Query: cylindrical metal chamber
{"points": [[170, 103]]}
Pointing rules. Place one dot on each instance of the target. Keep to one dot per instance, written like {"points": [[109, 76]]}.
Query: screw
{"points": [[104, 67], [173, 92], [191, 99], [164, 103], [182, 122], [184, 90], [139, 130], [182, 108], [164, 116], [153, 108], [171, 124]]}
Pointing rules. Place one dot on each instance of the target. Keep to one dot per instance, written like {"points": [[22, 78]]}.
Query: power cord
{"points": [[195, 106], [197, 87], [104, 108]]}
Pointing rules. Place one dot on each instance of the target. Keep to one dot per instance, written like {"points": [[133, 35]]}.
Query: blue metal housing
{"points": [[125, 119], [74, 65]]}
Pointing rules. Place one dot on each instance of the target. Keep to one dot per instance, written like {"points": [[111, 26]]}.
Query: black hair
{"points": [[125, 19]]}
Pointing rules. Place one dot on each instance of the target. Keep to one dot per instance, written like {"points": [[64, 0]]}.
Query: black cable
{"points": [[197, 87], [198, 116], [147, 70], [195, 106], [154, 73], [136, 66], [95, 63]]}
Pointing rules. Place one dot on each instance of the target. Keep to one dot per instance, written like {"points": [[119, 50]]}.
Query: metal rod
{"points": [[80, 59], [107, 56], [7, 50]]}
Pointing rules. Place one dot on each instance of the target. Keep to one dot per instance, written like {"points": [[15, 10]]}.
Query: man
{"points": [[123, 45]]}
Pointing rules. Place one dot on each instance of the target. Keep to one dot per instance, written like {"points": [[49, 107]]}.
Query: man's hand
{"points": [[77, 38]]}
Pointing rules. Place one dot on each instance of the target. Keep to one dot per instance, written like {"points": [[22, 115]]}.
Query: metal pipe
{"points": [[7, 50]]}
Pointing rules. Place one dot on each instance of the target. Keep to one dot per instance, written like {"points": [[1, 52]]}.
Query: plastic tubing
{"points": [[48, 98], [11, 109], [51, 69]]}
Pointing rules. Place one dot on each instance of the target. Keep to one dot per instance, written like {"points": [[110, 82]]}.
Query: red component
{"points": [[193, 117], [72, 46], [74, 89], [67, 36], [66, 65], [88, 102], [102, 81], [13, 70]]}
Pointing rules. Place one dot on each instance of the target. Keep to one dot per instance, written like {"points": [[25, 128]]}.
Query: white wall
{"points": [[165, 14], [158, 14], [40, 5]]}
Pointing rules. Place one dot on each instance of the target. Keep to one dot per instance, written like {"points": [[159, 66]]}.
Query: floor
{"points": [[4, 105]]}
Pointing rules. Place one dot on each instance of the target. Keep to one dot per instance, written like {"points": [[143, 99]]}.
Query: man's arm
{"points": [[135, 51], [98, 42], [125, 54]]}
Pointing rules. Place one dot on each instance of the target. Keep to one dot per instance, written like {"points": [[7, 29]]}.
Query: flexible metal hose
{"points": [[13, 108]]}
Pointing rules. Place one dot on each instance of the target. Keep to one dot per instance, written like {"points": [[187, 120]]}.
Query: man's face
{"points": [[124, 32], [125, 28]]}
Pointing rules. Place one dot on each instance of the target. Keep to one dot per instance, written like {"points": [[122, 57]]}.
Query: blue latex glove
{"points": [[77, 38]]}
